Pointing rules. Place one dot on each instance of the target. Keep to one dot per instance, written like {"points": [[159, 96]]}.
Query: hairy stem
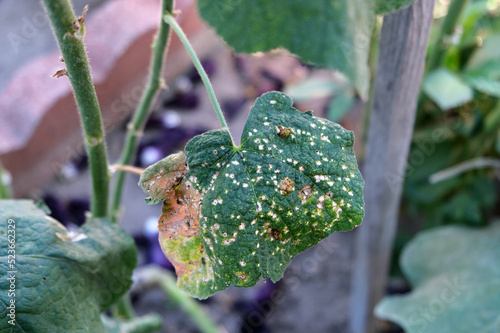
{"points": [[69, 33], [141, 113], [204, 77], [454, 11], [5, 181]]}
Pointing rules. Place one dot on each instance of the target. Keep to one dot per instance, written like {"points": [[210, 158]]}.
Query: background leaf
{"points": [[263, 25], [243, 212], [64, 279], [456, 278], [446, 89]]}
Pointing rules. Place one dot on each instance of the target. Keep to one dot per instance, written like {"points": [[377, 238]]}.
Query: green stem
{"points": [[186, 303], [141, 113], [69, 33], [5, 190], [454, 12], [123, 308], [204, 77]]}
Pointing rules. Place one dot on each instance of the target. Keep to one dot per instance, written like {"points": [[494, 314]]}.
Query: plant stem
{"points": [[5, 180], [141, 113], [477, 163], [454, 12], [123, 308], [157, 276], [67, 30], [204, 77]]}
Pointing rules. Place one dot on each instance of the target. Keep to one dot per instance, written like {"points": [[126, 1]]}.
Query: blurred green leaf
{"points": [[485, 85], [312, 88], [489, 51], [446, 89], [333, 34], [456, 277], [341, 104]]}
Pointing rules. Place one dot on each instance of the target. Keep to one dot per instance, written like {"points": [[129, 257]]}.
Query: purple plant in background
{"points": [[209, 67], [57, 209], [254, 311], [71, 212]]}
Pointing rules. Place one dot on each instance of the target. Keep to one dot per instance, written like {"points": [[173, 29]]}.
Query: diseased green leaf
{"points": [[334, 34], [446, 89], [456, 277], [244, 212], [64, 280], [387, 6]]}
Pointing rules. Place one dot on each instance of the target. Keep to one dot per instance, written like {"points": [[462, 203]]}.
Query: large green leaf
{"points": [[63, 280], [244, 212], [333, 34], [456, 279], [387, 6]]}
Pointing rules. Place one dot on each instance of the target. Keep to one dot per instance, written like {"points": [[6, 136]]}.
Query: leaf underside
{"points": [[241, 213], [63, 280]]}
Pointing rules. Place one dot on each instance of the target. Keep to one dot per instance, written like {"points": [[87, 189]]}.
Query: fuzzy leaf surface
{"points": [[332, 34], [244, 212], [64, 280], [455, 276]]}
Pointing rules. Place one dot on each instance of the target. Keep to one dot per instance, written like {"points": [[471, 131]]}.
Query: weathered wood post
{"points": [[403, 48]]}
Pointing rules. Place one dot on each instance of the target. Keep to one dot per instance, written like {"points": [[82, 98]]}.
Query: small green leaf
{"points": [[334, 34], [244, 212], [63, 280], [446, 89], [387, 6], [456, 277]]}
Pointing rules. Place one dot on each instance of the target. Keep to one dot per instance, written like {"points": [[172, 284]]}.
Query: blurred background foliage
{"points": [[458, 120]]}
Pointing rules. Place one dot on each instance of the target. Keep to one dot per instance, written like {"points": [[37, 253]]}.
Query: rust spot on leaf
{"points": [[284, 132], [241, 275], [275, 234], [178, 225], [305, 192], [286, 186]]}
